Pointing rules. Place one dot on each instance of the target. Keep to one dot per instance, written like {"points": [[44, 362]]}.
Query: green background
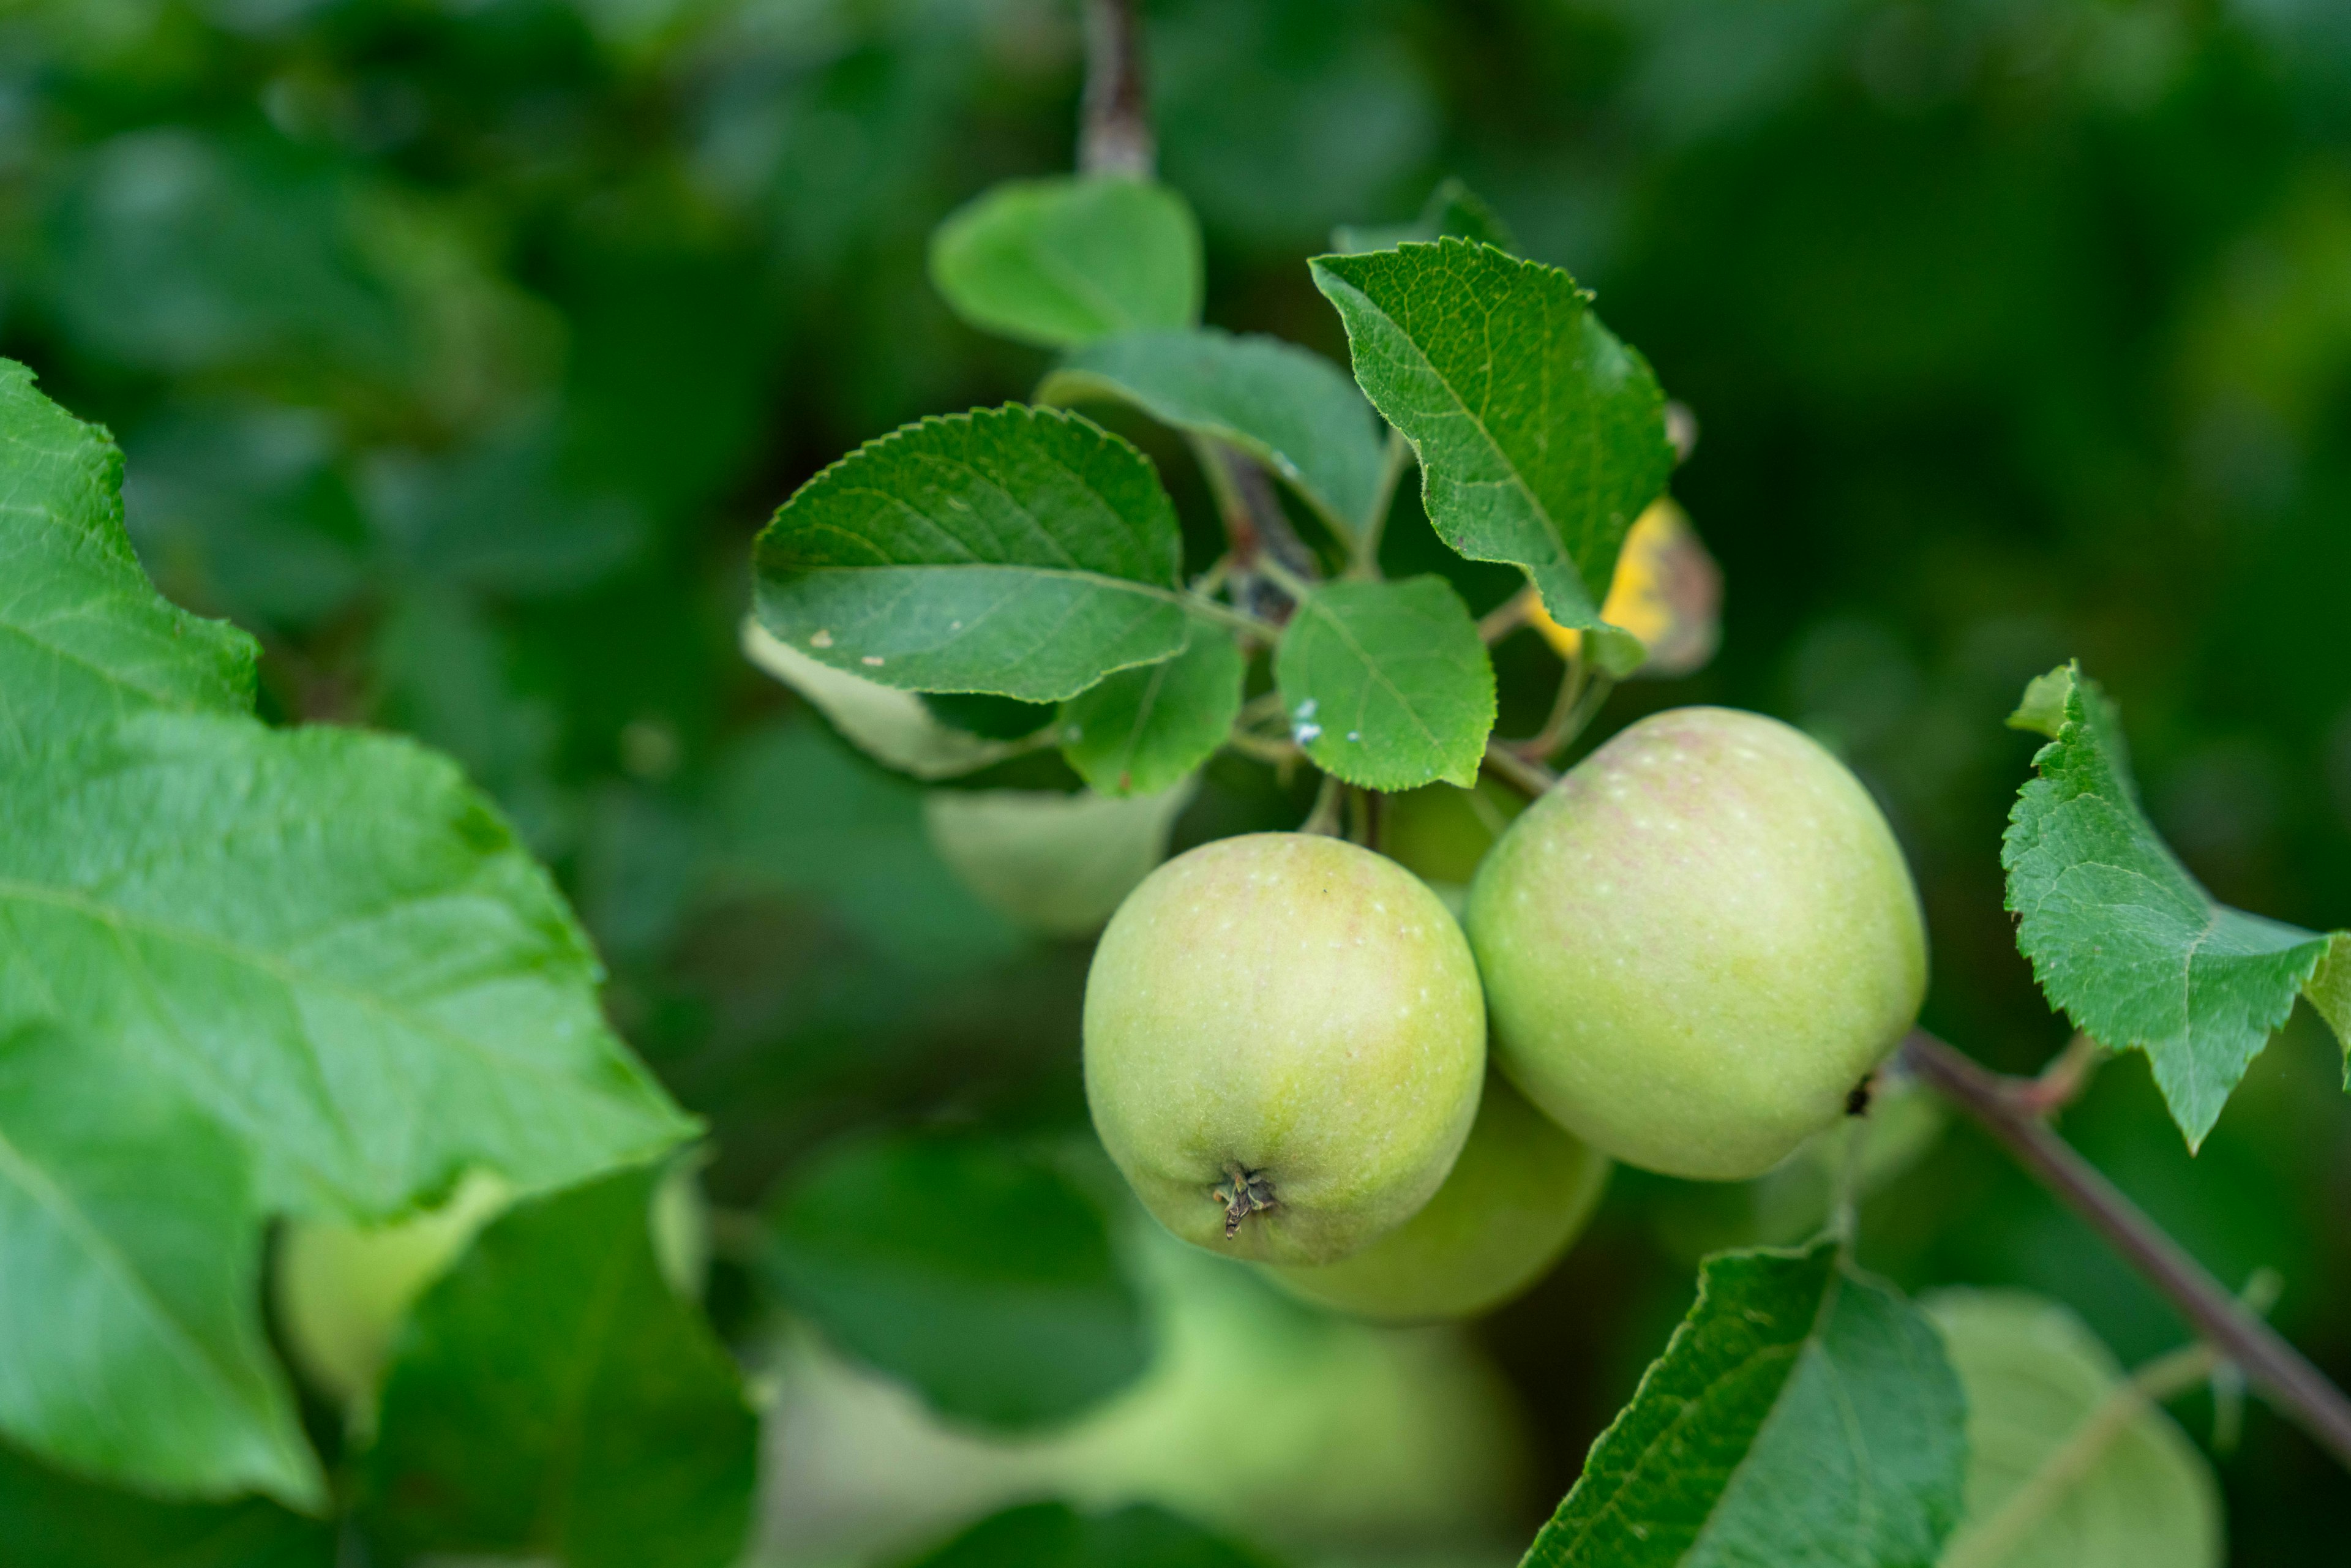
{"points": [[459, 347]]}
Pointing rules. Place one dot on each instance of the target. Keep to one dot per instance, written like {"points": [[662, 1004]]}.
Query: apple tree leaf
{"points": [[967, 1269], [84, 636], [552, 1395], [2065, 1468], [1021, 551], [1386, 684], [1141, 731], [1540, 436], [130, 1258], [2122, 938], [1071, 259], [1292, 410], [1453, 208], [1054, 1535], [54, 1521], [1801, 1413]]}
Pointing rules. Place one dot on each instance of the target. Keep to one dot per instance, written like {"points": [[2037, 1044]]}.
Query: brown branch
{"points": [[1116, 137], [2275, 1367]]}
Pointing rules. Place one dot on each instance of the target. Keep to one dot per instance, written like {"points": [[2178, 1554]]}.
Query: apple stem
{"points": [[1245, 1192]]}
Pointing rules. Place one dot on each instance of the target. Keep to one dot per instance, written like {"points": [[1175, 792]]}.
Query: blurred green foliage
{"points": [[459, 347]]}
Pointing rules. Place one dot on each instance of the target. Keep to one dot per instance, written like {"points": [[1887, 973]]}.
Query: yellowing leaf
{"points": [[1667, 591]]}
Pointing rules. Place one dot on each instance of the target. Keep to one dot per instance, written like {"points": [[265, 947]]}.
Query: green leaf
{"points": [[1386, 684], [1540, 436], [1294, 411], [51, 1520], [1053, 1535], [1453, 208], [129, 1264], [2066, 1467], [1141, 731], [1057, 865], [969, 1269], [84, 636], [1016, 551], [2121, 936], [895, 729], [1070, 260], [332, 943], [553, 1395], [1801, 1414]]}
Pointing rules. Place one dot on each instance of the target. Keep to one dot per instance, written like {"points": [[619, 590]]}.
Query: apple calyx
{"points": [[1244, 1193]]}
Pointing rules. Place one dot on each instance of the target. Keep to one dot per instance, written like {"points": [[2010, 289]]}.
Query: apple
{"points": [[1521, 1191], [1697, 943], [1284, 1041]]}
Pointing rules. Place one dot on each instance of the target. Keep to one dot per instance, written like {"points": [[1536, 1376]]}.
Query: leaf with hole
{"points": [[2123, 937], [1021, 551], [1293, 411], [1540, 436], [971, 1269], [553, 1395], [1386, 684], [1071, 259], [1802, 1413], [1141, 731]]}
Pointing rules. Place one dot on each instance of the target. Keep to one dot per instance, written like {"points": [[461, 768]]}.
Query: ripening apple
{"points": [[1521, 1191], [1284, 1040], [1697, 943]]}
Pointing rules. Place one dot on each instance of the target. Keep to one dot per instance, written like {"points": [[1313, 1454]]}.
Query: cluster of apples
{"points": [[1686, 956]]}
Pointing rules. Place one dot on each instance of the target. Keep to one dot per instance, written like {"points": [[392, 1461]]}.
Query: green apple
{"points": [[1522, 1190], [1697, 943], [1284, 1040]]}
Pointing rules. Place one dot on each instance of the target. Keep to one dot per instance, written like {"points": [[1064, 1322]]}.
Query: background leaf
{"points": [[1290, 409], [1053, 1535], [1141, 731], [129, 1264], [1801, 1414], [971, 1269], [1015, 550], [332, 943], [1070, 260], [1386, 684], [52, 1521], [84, 636], [1540, 436], [1453, 208], [2119, 934], [2034, 1378], [553, 1395]]}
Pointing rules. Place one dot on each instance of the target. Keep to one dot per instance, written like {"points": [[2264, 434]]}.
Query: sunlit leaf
{"points": [[1801, 1413], [84, 637], [973, 1271], [1140, 731], [2122, 938], [1540, 436], [1015, 550], [2066, 1469], [554, 1396], [1294, 411], [1387, 685], [1071, 259], [1668, 593]]}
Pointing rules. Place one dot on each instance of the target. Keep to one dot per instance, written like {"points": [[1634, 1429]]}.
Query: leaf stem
{"points": [[1289, 581], [2275, 1367], [1506, 617], [1325, 818], [1115, 137], [1530, 779], [1366, 563]]}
